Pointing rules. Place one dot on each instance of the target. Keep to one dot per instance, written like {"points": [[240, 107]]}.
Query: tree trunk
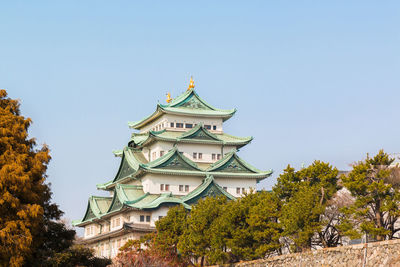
{"points": [[379, 220], [202, 261]]}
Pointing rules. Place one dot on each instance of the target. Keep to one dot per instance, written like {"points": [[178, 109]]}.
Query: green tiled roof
{"points": [[125, 193], [196, 135], [208, 188], [97, 206], [132, 196], [175, 163], [232, 163], [188, 103]]}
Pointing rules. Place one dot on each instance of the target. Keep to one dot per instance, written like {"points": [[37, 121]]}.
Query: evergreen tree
{"points": [[22, 185], [251, 226], [198, 239], [169, 230], [31, 232], [305, 194], [374, 184]]}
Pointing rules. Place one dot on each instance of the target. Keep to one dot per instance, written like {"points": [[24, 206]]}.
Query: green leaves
{"points": [[373, 183], [304, 196]]}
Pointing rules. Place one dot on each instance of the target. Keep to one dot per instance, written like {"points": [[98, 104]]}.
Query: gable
{"points": [[116, 204], [176, 163], [233, 165], [193, 102], [201, 134], [89, 214], [124, 170], [211, 190]]}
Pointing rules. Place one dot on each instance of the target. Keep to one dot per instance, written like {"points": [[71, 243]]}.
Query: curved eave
{"points": [[260, 175], [209, 180], [152, 139], [225, 115], [139, 124], [155, 204], [161, 160], [160, 110]]}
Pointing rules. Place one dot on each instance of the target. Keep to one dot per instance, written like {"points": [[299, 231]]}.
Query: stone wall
{"points": [[378, 254]]}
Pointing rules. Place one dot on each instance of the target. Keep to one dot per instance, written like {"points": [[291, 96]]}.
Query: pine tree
{"points": [[305, 195], [374, 183], [23, 191]]}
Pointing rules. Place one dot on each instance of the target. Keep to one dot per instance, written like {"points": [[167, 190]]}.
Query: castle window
{"points": [[208, 127], [148, 218], [214, 127], [141, 218], [213, 156], [161, 187], [189, 125], [218, 156], [238, 190], [167, 187], [172, 125], [154, 155], [180, 188], [161, 153], [186, 188], [200, 155], [118, 221], [160, 217], [243, 190], [194, 155], [225, 188], [179, 125]]}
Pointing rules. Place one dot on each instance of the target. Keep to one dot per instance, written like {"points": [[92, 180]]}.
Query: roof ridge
{"points": [[198, 127]]}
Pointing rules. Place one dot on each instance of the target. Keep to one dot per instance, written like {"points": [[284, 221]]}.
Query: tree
{"points": [[333, 217], [252, 228], [77, 256], [31, 232], [161, 247], [305, 194], [198, 239], [22, 184], [170, 229], [374, 183]]}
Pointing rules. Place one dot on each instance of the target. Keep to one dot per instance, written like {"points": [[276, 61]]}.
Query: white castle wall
{"points": [[206, 149], [164, 121], [233, 183], [151, 183]]}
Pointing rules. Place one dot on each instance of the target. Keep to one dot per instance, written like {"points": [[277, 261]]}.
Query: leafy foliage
{"points": [[199, 238], [374, 185], [77, 256], [31, 232], [252, 227], [305, 194], [23, 192]]}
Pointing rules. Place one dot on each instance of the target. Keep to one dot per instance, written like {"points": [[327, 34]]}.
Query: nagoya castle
{"points": [[178, 155]]}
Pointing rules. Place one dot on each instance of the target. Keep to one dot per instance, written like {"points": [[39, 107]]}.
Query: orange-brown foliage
{"points": [[22, 184]]}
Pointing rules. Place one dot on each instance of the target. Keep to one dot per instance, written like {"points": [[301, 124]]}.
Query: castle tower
{"points": [[179, 155]]}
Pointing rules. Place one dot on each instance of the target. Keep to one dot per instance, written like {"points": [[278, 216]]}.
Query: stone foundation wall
{"points": [[378, 254]]}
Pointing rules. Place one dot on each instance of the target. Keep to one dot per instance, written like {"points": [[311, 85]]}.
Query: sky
{"points": [[312, 80]]}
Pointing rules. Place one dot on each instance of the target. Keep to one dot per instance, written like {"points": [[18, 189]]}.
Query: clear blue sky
{"points": [[310, 79]]}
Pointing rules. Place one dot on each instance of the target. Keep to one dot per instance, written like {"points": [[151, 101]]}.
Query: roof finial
{"points": [[191, 83], [169, 99]]}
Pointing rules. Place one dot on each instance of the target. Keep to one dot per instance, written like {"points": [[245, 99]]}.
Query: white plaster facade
{"points": [[107, 235]]}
